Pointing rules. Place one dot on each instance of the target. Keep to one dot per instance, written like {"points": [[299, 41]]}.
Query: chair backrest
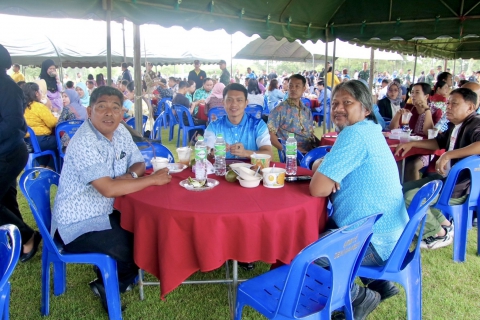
{"points": [[265, 104], [34, 141], [314, 154], [160, 151], [417, 212], [472, 164], [182, 110], [344, 249], [306, 102], [173, 120], [157, 127], [161, 105], [255, 110], [216, 113], [131, 121], [10, 248], [35, 185], [69, 128]]}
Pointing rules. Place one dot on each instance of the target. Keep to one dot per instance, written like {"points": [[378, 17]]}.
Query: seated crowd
{"points": [[360, 164]]}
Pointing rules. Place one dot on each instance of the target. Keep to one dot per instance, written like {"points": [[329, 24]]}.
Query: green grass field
{"points": [[450, 290]]}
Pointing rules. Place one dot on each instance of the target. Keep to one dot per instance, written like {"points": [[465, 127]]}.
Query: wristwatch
{"points": [[134, 174]]}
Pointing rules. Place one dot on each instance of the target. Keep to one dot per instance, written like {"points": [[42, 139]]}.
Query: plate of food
{"points": [[195, 185], [176, 167]]}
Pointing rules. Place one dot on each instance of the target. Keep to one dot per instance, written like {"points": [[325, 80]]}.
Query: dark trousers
{"points": [[116, 242], [11, 165]]}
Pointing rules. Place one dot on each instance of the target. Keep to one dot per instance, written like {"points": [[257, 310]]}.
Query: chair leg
{"points": [[185, 137], [178, 135], [45, 304], [59, 277], [460, 239], [238, 310], [413, 293], [6, 302], [29, 164], [110, 282]]}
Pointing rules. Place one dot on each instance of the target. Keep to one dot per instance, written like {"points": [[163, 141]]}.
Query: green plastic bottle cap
{"points": [[200, 138], [291, 135], [219, 135]]}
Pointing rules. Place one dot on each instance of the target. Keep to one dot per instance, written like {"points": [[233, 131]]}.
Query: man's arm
{"points": [[138, 168], [403, 148], [112, 188], [322, 186], [239, 150], [274, 141], [470, 150]]}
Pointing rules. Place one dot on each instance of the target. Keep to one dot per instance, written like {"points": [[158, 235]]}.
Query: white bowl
{"points": [[247, 174], [249, 183], [240, 164]]}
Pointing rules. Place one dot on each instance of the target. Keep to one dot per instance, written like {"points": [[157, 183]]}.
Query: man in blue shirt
{"points": [[102, 162], [243, 133], [250, 74], [358, 176], [321, 95]]}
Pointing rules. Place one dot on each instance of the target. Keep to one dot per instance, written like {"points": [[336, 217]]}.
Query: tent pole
{"points": [[231, 58], [333, 70], [137, 77], [371, 76], [454, 74], [124, 50], [109, 43], [414, 66], [325, 107], [445, 64]]}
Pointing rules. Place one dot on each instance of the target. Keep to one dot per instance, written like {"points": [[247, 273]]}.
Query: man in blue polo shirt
{"points": [[102, 162], [243, 133]]}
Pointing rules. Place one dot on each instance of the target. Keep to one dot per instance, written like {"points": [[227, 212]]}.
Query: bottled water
{"points": [[200, 160], [291, 155], [220, 153]]}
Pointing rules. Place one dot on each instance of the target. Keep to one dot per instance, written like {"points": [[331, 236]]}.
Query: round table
{"points": [[179, 232]]}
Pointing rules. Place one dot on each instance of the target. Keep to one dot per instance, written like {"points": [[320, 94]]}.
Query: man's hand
{"points": [[441, 163], [161, 177], [317, 164], [403, 148], [237, 149]]}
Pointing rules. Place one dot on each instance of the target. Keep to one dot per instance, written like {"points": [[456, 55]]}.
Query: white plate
{"points": [[211, 183], [176, 167], [240, 164]]}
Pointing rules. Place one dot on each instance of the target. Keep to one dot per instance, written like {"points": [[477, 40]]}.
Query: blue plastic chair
{"points": [[306, 102], [312, 155], [216, 113], [171, 119], [69, 128], [266, 111], [182, 110], [37, 152], [404, 266], [255, 110], [282, 157], [156, 133], [10, 248], [461, 213], [321, 114], [161, 106], [304, 290], [35, 185], [131, 122], [160, 151]]}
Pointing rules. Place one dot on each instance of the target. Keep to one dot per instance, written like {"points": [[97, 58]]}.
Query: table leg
{"points": [[234, 286], [140, 283]]}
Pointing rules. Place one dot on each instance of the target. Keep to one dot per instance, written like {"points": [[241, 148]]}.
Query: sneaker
{"points": [[450, 229], [386, 289], [371, 301], [433, 243]]}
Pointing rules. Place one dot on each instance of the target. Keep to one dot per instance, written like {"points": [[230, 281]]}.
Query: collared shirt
{"points": [[251, 132], [225, 77], [287, 118], [321, 99], [362, 163], [17, 76], [79, 207], [201, 94]]}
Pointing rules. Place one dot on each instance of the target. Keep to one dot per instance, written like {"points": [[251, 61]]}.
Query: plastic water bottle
{"points": [[220, 153], [200, 160], [291, 154]]}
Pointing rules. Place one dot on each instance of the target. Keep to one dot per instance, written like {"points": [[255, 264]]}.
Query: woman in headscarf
{"points": [[54, 86], [215, 100], [13, 156], [392, 102], [72, 108], [100, 80], [82, 91]]}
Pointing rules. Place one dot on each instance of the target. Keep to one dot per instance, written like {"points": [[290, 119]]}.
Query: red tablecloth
{"points": [[201, 112], [329, 139], [179, 232]]}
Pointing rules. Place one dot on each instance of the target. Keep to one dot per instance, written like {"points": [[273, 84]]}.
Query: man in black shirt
{"points": [[126, 75], [181, 99], [197, 74]]}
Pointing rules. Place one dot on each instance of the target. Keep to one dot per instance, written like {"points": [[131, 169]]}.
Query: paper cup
{"points": [[159, 163], [273, 177], [260, 160], [184, 155], [432, 133]]}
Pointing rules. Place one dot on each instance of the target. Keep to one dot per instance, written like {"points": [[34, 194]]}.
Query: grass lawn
{"points": [[450, 290]]}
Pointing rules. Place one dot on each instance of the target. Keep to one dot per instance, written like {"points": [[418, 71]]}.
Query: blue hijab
{"points": [[85, 101], [75, 106]]}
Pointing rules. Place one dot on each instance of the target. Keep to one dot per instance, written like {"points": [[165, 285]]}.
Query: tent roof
{"points": [[300, 19], [272, 49], [351, 51], [445, 48]]}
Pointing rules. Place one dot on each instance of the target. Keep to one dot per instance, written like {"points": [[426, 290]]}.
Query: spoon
{"points": [[273, 168], [257, 172]]}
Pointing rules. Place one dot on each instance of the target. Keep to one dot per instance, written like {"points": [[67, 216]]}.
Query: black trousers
{"points": [[116, 242], [11, 165]]}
